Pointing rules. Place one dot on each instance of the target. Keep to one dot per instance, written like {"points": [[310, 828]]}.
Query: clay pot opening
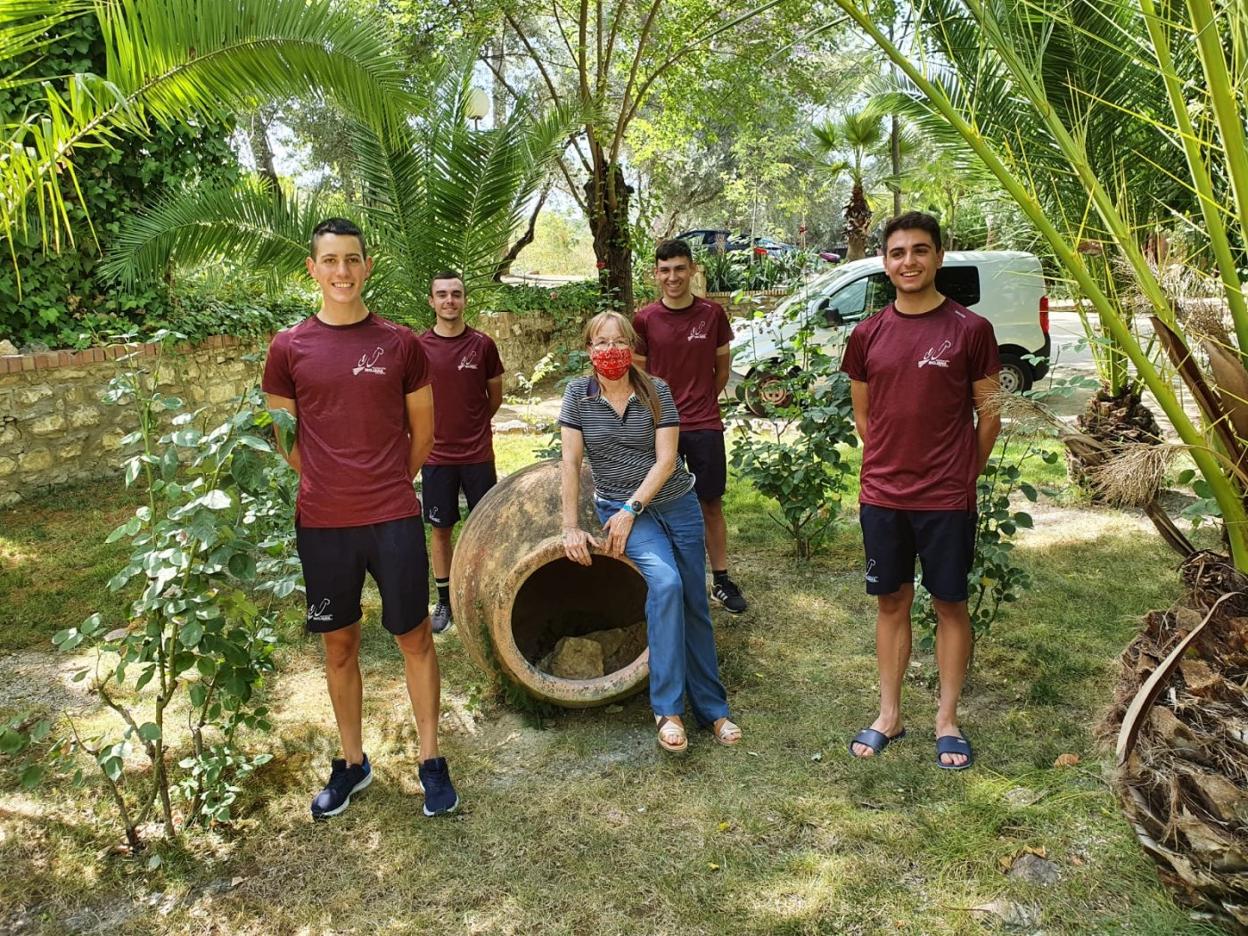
{"points": [[604, 603]]}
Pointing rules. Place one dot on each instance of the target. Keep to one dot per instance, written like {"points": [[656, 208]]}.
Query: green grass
{"points": [[54, 564], [578, 825]]}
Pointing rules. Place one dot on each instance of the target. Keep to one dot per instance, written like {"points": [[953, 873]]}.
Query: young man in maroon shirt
{"points": [[921, 374], [467, 391], [359, 388], [684, 340]]}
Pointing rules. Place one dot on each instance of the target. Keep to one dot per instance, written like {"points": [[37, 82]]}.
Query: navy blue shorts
{"points": [[440, 486], [943, 541], [703, 452], [335, 559]]}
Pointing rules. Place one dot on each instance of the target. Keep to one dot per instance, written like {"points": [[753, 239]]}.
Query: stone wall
{"points": [[54, 427], [525, 339]]}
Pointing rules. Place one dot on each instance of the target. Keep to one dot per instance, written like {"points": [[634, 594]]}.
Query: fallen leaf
{"points": [[817, 756], [1066, 760], [712, 866], [724, 826]]}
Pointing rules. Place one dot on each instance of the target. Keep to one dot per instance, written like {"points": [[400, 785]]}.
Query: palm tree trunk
{"points": [[607, 196], [857, 222]]}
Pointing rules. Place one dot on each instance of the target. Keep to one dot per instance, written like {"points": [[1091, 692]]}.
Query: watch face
{"points": [[636, 505]]}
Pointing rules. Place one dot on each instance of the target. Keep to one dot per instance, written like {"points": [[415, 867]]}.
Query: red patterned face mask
{"points": [[612, 363]]}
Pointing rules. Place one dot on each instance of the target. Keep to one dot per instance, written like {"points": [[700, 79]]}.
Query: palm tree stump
{"points": [[1113, 420], [1181, 715]]}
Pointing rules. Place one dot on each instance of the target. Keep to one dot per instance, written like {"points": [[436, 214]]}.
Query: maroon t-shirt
{"points": [[349, 383], [460, 368], [921, 451], [679, 346]]}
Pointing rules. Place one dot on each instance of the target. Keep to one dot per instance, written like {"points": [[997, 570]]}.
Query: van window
{"points": [[848, 301], [880, 292], [959, 283], [862, 298]]}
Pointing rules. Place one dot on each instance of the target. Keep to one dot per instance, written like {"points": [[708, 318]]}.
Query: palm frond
{"points": [[248, 224], [177, 59]]}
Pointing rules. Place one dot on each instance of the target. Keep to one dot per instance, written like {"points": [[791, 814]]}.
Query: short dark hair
{"points": [[673, 248], [914, 221], [339, 226], [444, 274]]}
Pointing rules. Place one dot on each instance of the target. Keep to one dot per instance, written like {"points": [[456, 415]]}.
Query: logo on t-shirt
{"points": [[933, 356], [699, 332], [471, 360], [869, 577], [316, 612], [368, 363]]}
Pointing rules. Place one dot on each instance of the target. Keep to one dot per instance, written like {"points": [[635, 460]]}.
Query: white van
{"points": [[1004, 286]]}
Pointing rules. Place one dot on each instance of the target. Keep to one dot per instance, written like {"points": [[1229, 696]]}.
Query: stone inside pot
{"points": [[596, 653]]}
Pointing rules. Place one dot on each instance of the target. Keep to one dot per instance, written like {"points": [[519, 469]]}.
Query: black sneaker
{"points": [[728, 596], [440, 796], [343, 781], [442, 619]]}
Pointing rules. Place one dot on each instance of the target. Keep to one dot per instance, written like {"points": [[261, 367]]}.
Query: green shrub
{"points": [[53, 297], [571, 303]]}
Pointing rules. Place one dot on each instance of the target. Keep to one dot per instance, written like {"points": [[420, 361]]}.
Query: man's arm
{"points": [[858, 394], [420, 424], [494, 392], [287, 404], [723, 367], [988, 422]]}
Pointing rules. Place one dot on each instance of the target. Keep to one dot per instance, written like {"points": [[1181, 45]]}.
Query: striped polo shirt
{"points": [[621, 448]]}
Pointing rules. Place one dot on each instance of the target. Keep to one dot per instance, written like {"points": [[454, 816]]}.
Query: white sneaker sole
{"points": [[368, 778], [445, 812]]}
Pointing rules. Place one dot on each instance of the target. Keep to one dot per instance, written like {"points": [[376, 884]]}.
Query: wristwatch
{"points": [[636, 506]]}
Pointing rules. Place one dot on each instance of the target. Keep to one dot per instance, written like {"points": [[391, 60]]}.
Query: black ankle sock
{"points": [[719, 575], [444, 590]]}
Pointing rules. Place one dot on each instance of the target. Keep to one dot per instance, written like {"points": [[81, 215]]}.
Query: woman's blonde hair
{"points": [[641, 383]]}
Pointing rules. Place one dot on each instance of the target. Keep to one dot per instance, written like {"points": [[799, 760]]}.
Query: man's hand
{"points": [[617, 529], [576, 543]]}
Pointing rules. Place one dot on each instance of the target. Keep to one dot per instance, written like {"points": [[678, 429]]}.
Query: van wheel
{"points": [[1015, 374], [765, 393]]}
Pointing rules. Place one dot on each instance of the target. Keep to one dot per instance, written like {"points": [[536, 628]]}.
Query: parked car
{"points": [[710, 238], [1004, 286], [720, 238]]}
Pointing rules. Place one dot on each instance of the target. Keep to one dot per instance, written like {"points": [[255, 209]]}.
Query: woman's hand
{"points": [[617, 529], [576, 543]]}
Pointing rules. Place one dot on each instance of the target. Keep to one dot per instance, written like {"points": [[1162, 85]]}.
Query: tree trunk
{"points": [[857, 223], [261, 151], [504, 265], [607, 197], [894, 147], [500, 76]]}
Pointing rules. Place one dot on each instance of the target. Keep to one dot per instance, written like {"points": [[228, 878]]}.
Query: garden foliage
{"points": [[52, 297], [212, 573], [797, 460]]}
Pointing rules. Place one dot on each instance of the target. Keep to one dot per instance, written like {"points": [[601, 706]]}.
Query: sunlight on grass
{"points": [[574, 822]]}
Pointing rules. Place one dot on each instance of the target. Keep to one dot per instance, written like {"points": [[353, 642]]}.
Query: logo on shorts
{"points": [[934, 358], [317, 612], [471, 360], [873, 579], [699, 332], [368, 363], [433, 514]]}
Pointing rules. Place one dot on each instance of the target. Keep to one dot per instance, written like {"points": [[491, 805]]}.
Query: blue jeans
{"points": [[668, 544]]}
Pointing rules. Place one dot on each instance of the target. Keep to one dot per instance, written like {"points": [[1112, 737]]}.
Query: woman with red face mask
{"points": [[626, 423]]}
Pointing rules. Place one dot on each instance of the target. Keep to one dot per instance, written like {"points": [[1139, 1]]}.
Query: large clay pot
{"points": [[515, 594]]}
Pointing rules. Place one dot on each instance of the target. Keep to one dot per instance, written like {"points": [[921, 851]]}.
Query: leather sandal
{"points": [[725, 732], [672, 735]]}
